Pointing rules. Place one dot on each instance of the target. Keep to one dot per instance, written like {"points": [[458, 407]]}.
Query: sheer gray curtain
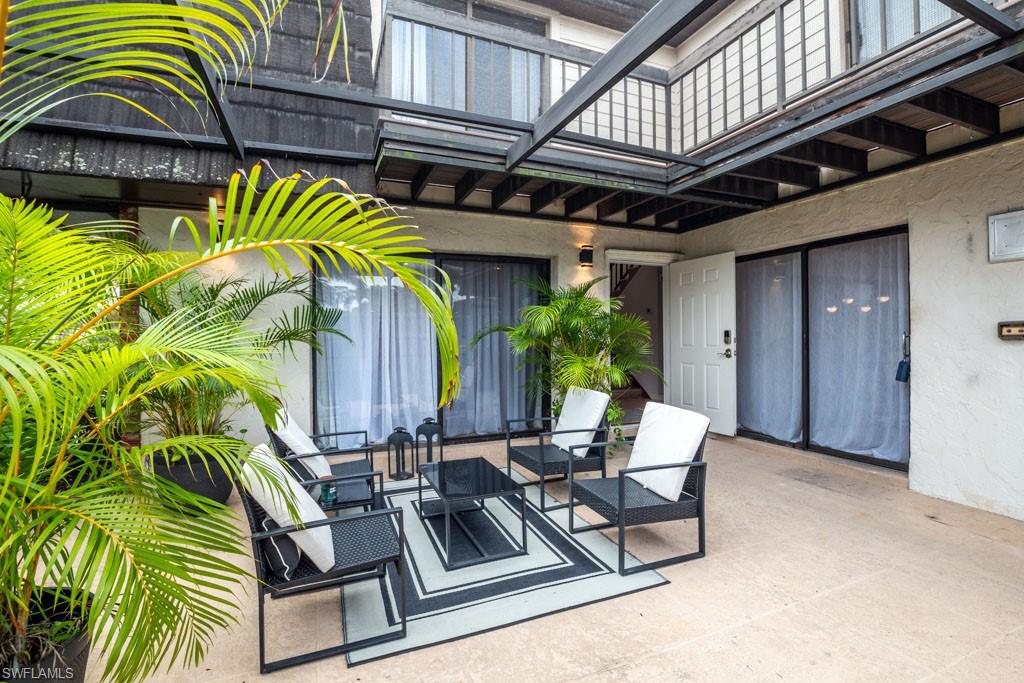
{"points": [[769, 355], [386, 376], [859, 309], [493, 384]]}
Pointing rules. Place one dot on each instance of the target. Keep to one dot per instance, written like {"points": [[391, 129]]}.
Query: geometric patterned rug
{"points": [[561, 571]]}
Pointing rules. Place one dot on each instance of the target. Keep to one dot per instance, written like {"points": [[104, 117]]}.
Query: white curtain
{"points": [[493, 384], [859, 309], [386, 376], [768, 348]]}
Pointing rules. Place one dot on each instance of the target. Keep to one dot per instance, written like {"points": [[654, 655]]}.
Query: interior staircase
{"points": [[621, 275]]}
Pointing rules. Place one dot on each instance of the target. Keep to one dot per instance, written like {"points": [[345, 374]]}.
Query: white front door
{"points": [[701, 320]]}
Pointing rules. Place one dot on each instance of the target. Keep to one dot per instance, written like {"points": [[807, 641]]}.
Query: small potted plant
{"points": [[207, 407]]}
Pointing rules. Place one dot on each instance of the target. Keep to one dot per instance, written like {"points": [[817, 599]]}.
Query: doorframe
{"points": [[805, 389], [660, 259]]}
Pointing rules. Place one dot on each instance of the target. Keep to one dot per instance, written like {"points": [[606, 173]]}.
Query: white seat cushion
{"points": [[317, 543], [289, 431], [583, 409], [667, 435]]}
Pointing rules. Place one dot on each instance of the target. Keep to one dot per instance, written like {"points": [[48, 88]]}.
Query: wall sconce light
{"points": [[587, 256]]}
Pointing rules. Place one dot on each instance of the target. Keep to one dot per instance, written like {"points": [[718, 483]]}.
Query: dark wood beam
{"points": [[781, 171], [420, 180], [651, 207], [741, 187], [828, 154], [507, 189], [682, 212], [658, 26], [222, 109], [704, 197], [960, 108], [722, 213], [985, 15], [619, 203], [467, 184], [887, 134], [1013, 68], [549, 194], [586, 198]]}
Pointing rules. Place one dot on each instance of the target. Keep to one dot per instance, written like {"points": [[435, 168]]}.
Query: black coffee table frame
{"points": [[453, 505]]}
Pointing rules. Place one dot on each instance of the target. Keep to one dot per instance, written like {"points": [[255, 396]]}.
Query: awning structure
{"points": [[962, 77]]}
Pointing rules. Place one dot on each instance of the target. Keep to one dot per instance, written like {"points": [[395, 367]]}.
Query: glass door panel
{"points": [[859, 309]]}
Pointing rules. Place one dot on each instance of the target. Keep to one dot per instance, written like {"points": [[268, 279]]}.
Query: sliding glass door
{"points": [[820, 333], [385, 373], [859, 310]]}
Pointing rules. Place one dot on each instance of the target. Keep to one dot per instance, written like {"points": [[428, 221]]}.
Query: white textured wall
{"points": [[967, 386]]}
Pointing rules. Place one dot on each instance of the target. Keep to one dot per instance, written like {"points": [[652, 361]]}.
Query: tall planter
{"points": [[67, 659], [192, 475]]}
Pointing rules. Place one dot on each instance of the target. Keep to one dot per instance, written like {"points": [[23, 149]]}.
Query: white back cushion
{"points": [[583, 409], [289, 431], [666, 435], [316, 543]]}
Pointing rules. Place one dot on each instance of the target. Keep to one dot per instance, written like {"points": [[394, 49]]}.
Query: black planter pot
{"points": [[67, 662], [215, 484]]}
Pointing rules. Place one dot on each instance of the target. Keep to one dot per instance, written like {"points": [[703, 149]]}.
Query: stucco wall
{"points": [[967, 386]]}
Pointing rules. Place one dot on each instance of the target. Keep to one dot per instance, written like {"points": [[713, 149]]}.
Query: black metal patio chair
{"points": [[628, 499], [364, 544], [583, 418]]}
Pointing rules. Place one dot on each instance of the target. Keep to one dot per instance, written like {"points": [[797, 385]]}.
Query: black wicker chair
{"points": [[623, 501], [365, 544], [546, 460], [355, 486]]}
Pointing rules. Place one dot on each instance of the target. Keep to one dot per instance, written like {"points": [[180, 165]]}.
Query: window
{"points": [[881, 25], [429, 66], [386, 373]]}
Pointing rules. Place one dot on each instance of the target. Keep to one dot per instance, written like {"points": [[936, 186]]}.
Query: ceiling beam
{"points": [[697, 195], [682, 212], [549, 194], [741, 187], [985, 15], [828, 154], [718, 215], [658, 26], [651, 207], [507, 189], [960, 108], [420, 180], [782, 171], [467, 184], [586, 198], [887, 134], [626, 148], [619, 203], [222, 108]]}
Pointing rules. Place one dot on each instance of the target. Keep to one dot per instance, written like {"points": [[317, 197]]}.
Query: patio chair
{"points": [[355, 485], [320, 553], [583, 418], [663, 480]]}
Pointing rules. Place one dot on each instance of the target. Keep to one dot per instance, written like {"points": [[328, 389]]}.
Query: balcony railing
{"points": [[796, 48]]}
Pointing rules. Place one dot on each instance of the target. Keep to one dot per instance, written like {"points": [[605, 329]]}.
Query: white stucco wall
{"points": [[967, 386]]}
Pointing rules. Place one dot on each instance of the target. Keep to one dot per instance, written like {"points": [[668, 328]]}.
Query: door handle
{"points": [[726, 354]]}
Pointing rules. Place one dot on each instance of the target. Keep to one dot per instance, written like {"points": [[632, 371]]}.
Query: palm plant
{"points": [[576, 340], [79, 509], [203, 409], [51, 51]]}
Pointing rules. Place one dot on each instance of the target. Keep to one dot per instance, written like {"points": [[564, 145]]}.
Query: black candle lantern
{"points": [[430, 429], [400, 440]]}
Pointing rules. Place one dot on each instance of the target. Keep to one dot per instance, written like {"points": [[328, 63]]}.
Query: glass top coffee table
{"points": [[462, 487]]}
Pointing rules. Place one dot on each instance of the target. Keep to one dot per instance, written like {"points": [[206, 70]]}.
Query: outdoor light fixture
{"points": [[587, 256]]}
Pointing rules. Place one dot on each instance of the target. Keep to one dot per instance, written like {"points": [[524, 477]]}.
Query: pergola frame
{"points": [[685, 190]]}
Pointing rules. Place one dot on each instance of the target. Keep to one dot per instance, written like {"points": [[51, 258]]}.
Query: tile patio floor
{"points": [[817, 570]]}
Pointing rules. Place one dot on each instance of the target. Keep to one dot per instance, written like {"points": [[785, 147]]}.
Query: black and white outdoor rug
{"points": [[561, 571]]}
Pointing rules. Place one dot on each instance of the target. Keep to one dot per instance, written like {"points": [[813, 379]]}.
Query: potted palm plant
{"points": [[576, 340], [82, 516], [207, 407]]}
